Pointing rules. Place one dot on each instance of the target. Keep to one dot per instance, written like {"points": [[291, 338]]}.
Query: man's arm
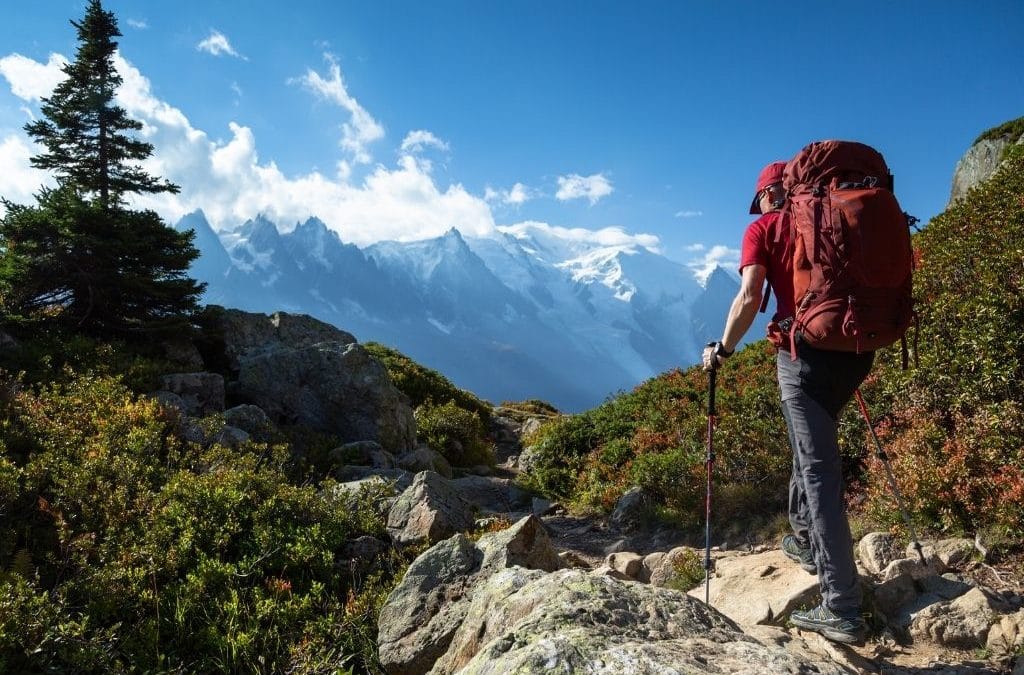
{"points": [[743, 310]]}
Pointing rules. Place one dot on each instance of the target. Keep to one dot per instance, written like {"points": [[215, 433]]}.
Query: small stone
{"points": [[630, 565], [877, 550]]}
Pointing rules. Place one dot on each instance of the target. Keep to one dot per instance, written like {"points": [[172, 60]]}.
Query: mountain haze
{"points": [[525, 313]]}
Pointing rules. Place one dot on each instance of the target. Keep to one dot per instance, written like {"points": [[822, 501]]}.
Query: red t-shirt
{"points": [[764, 245]]}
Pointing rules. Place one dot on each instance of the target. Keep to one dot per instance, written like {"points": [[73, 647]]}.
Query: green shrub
{"points": [[455, 432], [655, 435], [423, 385], [125, 548], [687, 571], [953, 425]]}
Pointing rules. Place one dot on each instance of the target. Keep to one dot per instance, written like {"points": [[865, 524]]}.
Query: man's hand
{"points": [[714, 355]]}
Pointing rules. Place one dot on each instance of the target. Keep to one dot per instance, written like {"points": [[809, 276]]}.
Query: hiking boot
{"points": [[802, 554], [823, 620]]}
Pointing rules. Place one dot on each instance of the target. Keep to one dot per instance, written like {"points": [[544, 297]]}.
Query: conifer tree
{"points": [[80, 255], [86, 135]]}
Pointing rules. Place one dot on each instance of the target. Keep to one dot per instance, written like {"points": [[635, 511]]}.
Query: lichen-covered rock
{"points": [[429, 510], [329, 387], [573, 622], [248, 334], [877, 550], [201, 393], [951, 552], [420, 616], [422, 613]]}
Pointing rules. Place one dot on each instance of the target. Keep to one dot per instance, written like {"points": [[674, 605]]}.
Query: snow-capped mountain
{"points": [[525, 313]]}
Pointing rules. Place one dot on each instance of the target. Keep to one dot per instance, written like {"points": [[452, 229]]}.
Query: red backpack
{"points": [[852, 257]]}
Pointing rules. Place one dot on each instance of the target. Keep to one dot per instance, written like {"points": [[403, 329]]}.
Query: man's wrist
{"points": [[718, 349]]}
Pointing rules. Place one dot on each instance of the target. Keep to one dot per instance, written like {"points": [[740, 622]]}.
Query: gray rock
{"points": [[630, 565], [422, 458], [574, 622], [963, 623], [761, 588], [493, 495], [422, 613], [429, 510], [364, 549], [399, 479], [479, 470], [631, 511], [664, 569], [202, 393], [525, 544], [914, 568], [363, 453], [652, 561], [951, 552], [171, 401], [978, 164], [892, 595], [331, 388], [252, 420], [877, 550], [571, 559], [246, 334], [947, 587], [7, 342], [527, 459], [1007, 635], [230, 437], [420, 616], [541, 507]]}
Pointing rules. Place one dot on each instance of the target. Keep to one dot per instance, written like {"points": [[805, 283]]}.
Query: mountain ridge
{"points": [[525, 313]]}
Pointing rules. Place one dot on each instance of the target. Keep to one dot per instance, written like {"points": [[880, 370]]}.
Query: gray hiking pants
{"points": [[814, 388]]}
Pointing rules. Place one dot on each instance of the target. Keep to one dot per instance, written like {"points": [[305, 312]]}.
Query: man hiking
{"points": [[814, 385]]}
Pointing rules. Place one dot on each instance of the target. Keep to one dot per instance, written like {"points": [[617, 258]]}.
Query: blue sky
{"points": [[396, 120]]}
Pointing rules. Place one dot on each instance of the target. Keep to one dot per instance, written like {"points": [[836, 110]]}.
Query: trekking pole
{"points": [[880, 454], [710, 459]]}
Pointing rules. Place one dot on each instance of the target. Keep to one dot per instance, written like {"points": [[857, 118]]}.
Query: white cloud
{"points": [[689, 214], [575, 186], [417, 141], [31, 80], [231, 183], [138, 24], [361, 129], [516, 195], [18, 180], [716, 256], [608, 236], [218, 44]]}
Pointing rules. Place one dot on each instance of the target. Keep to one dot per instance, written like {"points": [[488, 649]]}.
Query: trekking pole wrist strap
{"points": [[720, 350]]}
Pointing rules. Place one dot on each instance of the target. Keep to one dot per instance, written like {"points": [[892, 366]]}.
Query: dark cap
{"points": [[770, 175]]}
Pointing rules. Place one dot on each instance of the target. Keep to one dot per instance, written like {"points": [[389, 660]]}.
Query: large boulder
{"points": [[979, 163], [762, 588], [247, 334], [573, 622], [632, 511], [429, 510], [332, 388], [423, 612], [423, 458]]}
